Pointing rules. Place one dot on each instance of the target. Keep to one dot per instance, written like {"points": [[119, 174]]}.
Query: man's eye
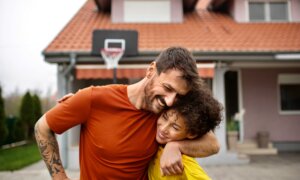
{"points": [[167, 88]]}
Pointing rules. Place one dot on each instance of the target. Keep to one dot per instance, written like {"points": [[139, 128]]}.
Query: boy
{"points": [[190, 118]]}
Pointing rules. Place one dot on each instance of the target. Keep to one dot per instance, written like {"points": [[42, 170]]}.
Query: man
{"points": [[118, 123]]}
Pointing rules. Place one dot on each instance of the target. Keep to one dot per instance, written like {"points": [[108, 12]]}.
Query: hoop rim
{"points": [[112, 50]]}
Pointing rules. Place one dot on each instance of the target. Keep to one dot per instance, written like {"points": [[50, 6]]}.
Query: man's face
{"points": [[163, 90]]}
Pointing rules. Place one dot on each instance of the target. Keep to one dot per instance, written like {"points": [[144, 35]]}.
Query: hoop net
{"points": [[112, 56]]}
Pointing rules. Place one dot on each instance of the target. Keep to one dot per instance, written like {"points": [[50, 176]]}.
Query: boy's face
{"points": [[171, 127]]}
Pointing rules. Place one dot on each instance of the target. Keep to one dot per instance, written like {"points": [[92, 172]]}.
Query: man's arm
{"points": [[49, 150], [205, 146], [170, 162]]}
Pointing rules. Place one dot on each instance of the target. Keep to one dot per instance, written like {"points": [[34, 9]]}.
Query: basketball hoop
{"points": [[112, 56]]}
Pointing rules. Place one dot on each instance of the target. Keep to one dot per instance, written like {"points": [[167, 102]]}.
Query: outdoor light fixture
{"points": [[287, 56]]}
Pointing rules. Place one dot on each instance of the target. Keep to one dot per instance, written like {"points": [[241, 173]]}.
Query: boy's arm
{"points": [[170, 161], [48, 148]]}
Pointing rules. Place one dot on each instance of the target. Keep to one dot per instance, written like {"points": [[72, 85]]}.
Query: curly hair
{"points": [[200, 110]]}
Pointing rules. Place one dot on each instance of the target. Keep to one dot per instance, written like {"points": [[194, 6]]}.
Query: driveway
{"points": [[284, 166]]}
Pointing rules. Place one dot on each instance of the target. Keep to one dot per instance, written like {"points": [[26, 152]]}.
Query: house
{"points": [[247, 50]]}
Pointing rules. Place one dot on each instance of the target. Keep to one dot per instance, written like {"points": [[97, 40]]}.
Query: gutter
{"points": [[146, 57]]}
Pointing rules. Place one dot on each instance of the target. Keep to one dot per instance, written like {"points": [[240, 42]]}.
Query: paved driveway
{"points": [[273, 167]]}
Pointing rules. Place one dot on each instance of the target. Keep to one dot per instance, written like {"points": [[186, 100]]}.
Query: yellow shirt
{"points": [[192, 170]]}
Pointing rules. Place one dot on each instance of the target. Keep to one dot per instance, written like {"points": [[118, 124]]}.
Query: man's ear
{"points": [[191, 136], [151, 70]]}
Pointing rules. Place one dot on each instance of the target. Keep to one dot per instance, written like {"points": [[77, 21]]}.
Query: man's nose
{"points": [[170, 99]]}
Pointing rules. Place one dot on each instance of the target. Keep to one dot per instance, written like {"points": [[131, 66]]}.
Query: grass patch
{"points": [[19, 157]]}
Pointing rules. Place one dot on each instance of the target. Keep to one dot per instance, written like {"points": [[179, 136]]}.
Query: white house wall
{"points": [[261, 102], [147, 11]]}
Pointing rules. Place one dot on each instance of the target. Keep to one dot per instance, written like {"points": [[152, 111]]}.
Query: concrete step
{"points": [[250, 147], [259, 151], [251, 144]]}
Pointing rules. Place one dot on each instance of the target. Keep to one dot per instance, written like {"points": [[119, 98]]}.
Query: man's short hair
{"points": [[181, 59]]}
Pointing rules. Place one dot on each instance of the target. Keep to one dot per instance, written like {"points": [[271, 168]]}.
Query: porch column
{"points": [[63, 138], [224, 156]]}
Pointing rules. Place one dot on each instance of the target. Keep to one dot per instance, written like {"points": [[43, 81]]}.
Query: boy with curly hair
{"points": [[192, 117]]}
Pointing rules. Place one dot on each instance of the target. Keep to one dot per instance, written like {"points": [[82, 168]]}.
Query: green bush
{"points": [[232, 125], [37, 107], [11, 122], [27, 115]]}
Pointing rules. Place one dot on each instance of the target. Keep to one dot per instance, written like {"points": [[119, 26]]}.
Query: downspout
{"points": [[67, 75], [71, 65]]}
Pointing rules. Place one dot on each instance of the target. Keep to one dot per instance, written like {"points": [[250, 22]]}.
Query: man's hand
{"points": [[65, 97], [170, 161]]}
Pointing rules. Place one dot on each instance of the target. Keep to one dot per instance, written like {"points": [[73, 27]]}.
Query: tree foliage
{"points": [[3, 128], [27, 115], [37, 107]]}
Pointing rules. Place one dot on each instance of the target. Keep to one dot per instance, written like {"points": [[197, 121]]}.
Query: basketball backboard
{"points": [[127, 39]]}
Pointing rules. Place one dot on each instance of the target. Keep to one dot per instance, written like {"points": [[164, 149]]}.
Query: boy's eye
{"points": [[175, 127]]}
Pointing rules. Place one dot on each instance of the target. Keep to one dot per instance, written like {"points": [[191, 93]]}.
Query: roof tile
{"points": [[200, 31]]}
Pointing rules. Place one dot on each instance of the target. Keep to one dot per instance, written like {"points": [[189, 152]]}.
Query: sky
{"points": [[26, 28]]}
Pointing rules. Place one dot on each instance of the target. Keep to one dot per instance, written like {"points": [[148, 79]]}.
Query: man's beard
{"points": [[149, 98]]}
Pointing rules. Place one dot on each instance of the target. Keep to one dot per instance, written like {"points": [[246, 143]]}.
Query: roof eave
{"points": [[149, 56]]}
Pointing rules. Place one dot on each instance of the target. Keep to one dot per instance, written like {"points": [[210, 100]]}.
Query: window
{"points": [[257, 11], [268, 11], [147, 11], [278, 11], [289, 88]]}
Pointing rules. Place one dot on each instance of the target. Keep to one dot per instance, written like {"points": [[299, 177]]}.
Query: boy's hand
{"points": [[170, 161]]}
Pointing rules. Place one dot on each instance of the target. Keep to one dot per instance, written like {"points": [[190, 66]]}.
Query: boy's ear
{"points": [[151, 70], [191, 136]]}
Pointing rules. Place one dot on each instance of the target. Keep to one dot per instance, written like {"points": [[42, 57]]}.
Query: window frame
{"points": [[286, 78], [267, 10]]}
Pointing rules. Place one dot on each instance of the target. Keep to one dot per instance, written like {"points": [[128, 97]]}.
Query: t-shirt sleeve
{"points": [[71, 112]]}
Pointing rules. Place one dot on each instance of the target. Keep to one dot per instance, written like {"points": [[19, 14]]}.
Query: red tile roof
{"points": [[201, 31]]}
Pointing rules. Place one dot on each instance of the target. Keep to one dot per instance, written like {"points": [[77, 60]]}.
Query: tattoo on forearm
{"points": [[49, 151]]}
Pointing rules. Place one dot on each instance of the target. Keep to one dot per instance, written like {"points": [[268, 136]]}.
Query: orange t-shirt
{"points": [[117, 141]]}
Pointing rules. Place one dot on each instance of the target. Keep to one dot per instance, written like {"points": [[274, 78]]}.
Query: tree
{"points": [[37, 108], [27, 115], [3, 128]]}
